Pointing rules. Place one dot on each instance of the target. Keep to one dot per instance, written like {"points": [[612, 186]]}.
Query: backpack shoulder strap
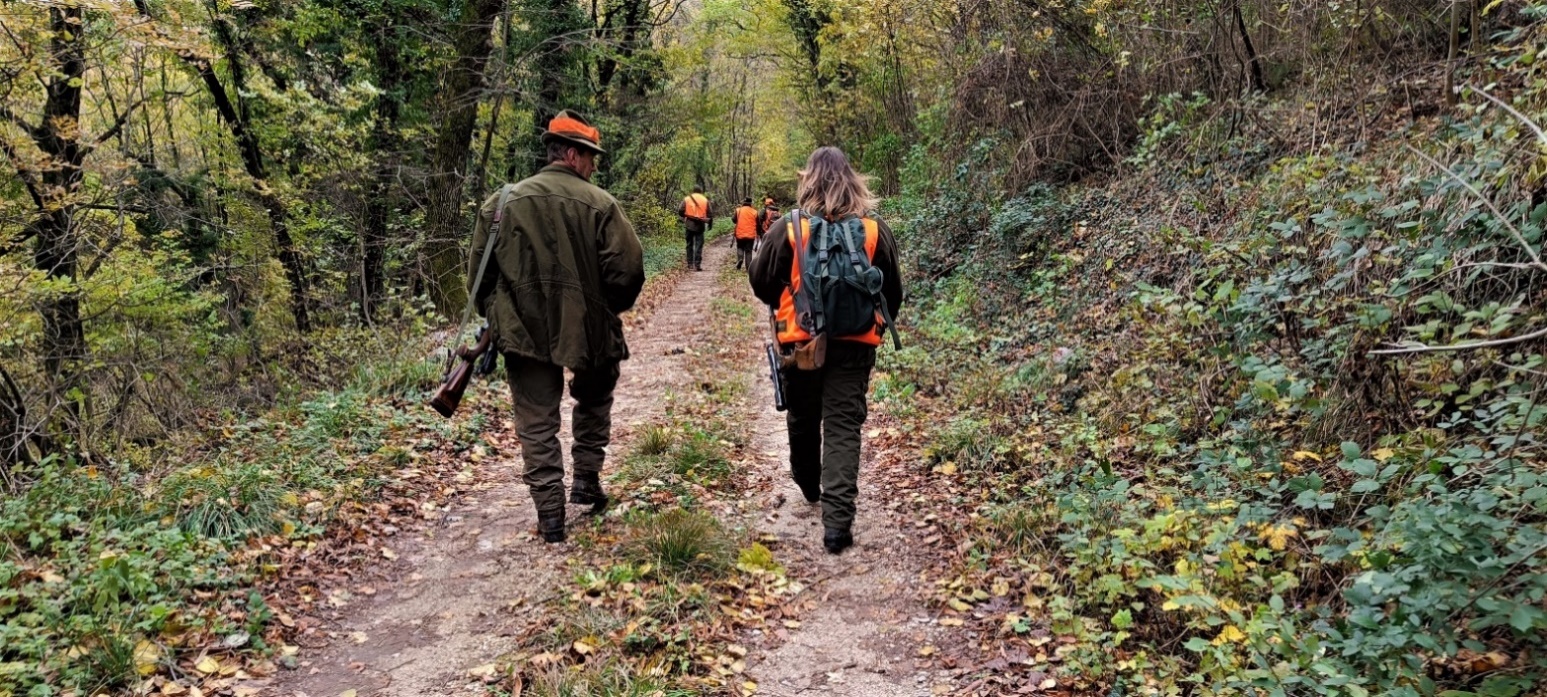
{"points": [[860, 266]]}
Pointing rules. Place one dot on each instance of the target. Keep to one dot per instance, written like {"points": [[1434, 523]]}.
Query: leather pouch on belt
{"points": [[811, 355]]}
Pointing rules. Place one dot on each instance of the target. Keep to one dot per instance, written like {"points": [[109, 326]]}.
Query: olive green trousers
{"points": [[536, 388]]}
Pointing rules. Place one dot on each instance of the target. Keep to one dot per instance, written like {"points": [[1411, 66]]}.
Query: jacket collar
{"points": [[561, 167]]}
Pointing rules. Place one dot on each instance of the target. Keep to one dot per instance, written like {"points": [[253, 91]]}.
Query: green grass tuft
{"points": [[680, 542]]}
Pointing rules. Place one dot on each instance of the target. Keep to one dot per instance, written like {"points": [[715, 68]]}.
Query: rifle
{"points": [[463, 363], [775, 372]]}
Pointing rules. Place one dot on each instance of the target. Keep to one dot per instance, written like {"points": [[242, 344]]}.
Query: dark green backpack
{"points": [[840, 290]]}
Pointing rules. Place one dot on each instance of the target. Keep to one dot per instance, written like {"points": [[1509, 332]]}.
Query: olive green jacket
{"points": [[565, 264]]}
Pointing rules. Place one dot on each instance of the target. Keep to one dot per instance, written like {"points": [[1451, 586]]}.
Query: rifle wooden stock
{"points": [[449, 395]]}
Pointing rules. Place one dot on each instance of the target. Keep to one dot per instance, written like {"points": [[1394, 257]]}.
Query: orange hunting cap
{"points": [[571, 127]]}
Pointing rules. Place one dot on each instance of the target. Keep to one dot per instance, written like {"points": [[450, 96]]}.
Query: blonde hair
{"points": [[829, 186]]}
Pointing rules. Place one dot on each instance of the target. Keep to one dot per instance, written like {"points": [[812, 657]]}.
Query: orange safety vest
{"points": [[746, 223], [696, 206], [789, 329]]}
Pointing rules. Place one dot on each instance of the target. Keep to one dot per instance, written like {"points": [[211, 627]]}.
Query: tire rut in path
{"points": [[465, 586]]}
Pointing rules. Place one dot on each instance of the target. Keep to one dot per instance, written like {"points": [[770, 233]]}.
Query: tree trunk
{"points": [[1455, 49], [384, 143], [459, 97], [57, 251], [1253, 62]]}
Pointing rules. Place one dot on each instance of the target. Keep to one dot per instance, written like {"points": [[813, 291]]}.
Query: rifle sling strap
{"points": [[483, 261]]}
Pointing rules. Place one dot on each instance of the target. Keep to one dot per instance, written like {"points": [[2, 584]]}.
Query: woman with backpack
{"points": [[829, 272]]}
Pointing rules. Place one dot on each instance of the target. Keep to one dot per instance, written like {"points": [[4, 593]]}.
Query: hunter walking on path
{"points": [[566, 262], [697, 218], [812, 272], [766, 218], [746, 218]]}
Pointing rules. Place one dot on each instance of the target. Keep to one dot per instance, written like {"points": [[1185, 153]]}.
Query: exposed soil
{"points": [[463, 588]]}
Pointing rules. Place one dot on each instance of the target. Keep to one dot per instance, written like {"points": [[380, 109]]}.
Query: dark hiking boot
{"points": [[551, 526], [836, 540], [813, 493], [586, 490]]}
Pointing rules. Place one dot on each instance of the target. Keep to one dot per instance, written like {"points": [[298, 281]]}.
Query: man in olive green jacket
{"points": [[566, 262]]}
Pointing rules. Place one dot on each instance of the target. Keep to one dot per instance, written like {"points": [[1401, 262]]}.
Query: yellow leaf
{"points": [[959, 606], [51, 577], [1230, 634], [927, 651], [484, 671], [583, 648], [1382, 454], [146, 656], [950, 622], [388, 553], [1001, 588], [749, 687], [1031, 602], [947, 468], [347, 693], [1170, 605], [207, 665], [1306, 455], [170, 689]]}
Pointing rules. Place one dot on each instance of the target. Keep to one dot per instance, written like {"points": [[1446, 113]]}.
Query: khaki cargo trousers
{"points": [[536, 388]]}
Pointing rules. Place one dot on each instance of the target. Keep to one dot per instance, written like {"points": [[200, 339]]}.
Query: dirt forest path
{"points": [[462, 590]]}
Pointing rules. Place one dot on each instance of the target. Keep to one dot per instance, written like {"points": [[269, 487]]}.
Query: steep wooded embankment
{"points": [[1260, 412]]}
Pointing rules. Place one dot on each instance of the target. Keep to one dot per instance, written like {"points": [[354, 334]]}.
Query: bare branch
{"points": [[1467, 346], [118, 124], [1519, 238], [33, 132], [26, 175], [1541, 136]]}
